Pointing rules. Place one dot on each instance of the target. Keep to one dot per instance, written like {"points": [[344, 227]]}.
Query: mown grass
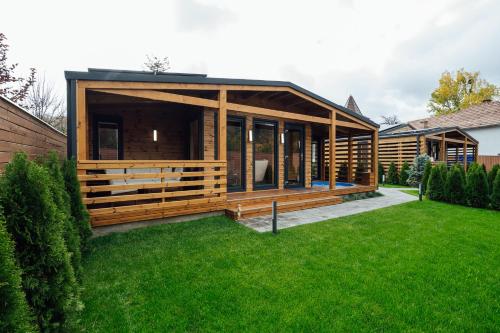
{"points": [[395, 186], [421, 266]]}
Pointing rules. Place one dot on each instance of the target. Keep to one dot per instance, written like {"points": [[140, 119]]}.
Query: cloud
{"points": [[193, 15]]}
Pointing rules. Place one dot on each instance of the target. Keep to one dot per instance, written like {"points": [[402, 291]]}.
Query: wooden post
{"points": [[476, 152], [349, 158], [81, 125], [442, 149], [465, 154], [375, 156], [332, 152], [222, 124]]}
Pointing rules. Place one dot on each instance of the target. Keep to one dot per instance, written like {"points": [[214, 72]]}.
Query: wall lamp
{"points": [[155, 136], [250, 136], [282, 138]]}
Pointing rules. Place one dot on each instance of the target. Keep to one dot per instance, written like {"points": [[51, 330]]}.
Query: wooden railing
{"points": [[127, 190]]}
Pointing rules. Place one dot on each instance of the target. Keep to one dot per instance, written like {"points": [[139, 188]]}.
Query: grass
{"points": [[412, 192], [395, 186], [421, 266]]}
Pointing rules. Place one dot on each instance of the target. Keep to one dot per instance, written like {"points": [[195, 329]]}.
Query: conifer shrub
{"points": [[62, 201], [454, 187], [404, 174], [15, 315], [32, 219], [492, 175], [435, 185], [381, 172], [476, 188], [392, 174], [78, 210], [495, 193], [416, 172], [426, 175]]}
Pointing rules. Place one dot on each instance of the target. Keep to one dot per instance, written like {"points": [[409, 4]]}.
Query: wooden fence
{"points": [[126, 191], [21, 131], [488, 160]]}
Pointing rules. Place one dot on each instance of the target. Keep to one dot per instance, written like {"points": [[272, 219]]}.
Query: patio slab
{"points": [[391, 196]]}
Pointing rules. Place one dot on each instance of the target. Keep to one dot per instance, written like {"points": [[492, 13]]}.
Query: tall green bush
{"points": [[435, 185], [61, 199], [416, 172], [477, 187], [403, 174], [32, 220], [392, 174], [426, 175], [495, 193], [14, 312], [454, 187], [78, 210], [381, 172], [492, 175]]}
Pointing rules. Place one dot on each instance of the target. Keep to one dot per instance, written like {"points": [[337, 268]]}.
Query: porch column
{"points": [[442, 148], [221, 125], [476, 152], [332, 136], [349, 158], [464, 152], [374, 161], [81, 125]]}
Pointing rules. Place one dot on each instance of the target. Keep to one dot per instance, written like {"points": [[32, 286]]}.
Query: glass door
{"points": [[235, 154], [294, 155], [265, 154]]}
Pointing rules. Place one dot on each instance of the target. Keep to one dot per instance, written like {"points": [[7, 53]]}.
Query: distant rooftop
{"points": [[352, 105]]}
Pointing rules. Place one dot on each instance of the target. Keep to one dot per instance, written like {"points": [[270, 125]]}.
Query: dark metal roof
{"points": [[427, 131], [394, 127], [94, 74]]}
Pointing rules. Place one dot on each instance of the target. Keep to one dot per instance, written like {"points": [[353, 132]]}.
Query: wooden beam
{"points": [[332, 139], [222, 124], [276, 113], [81, 125], [349, 159], [464, 151], [351, 125], [442, 148], [162, 96], [476, 152]]}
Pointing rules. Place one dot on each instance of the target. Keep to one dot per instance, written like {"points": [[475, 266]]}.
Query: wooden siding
{"points": [[488, 161], [20, 131], [398, 150]]}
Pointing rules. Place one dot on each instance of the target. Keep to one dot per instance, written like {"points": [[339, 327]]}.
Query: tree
{"points": [[381, 171], [476, 189], [454, 187], [457, 91], [44, 103], [12, 86], [435, 185], [492, 175], [390, 120], [392, 174], [156, 64], [404, 174], [14, 312], [416, 172], [426, 175], [495, 193]]}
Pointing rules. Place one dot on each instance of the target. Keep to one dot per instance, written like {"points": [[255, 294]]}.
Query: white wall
{"points": [[489, 139]]}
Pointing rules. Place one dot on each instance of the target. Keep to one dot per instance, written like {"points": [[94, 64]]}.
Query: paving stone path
{"points": [[391, 196]]}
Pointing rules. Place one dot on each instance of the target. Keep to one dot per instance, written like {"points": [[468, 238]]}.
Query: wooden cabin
{"points": [[150, 146], [450, 145]]}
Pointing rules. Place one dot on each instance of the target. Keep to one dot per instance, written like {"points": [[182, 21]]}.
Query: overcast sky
{"points": [[387, 54]]}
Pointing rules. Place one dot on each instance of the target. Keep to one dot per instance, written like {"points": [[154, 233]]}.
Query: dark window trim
{"points": [[276, 155], [95, 143], [243, 122], [300, 127]]}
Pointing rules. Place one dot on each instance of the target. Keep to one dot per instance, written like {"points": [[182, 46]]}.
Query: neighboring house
{"points": [[153, 146], [21, 131]]}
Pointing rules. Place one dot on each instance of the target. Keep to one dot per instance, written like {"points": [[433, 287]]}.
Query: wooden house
{"points": [[450, 145], [151, 146]]}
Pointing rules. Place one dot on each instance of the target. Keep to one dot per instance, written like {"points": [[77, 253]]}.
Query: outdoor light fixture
{"points": [[155, 135], [282, 138], [250, 135]]}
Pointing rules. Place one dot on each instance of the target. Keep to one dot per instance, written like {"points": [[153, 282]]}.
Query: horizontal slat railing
{"points": [[128, 190]]}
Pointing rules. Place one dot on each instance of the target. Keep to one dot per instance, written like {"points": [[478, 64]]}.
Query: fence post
{"points": [[275, 218]]}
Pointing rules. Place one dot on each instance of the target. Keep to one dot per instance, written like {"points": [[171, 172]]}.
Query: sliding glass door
{"points": [[235, 154], [294, 155], [265, 156]]}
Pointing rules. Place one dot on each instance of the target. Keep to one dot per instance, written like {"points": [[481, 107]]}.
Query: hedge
{"points": [[15, 315], [33, 221], [492, 175], [403, 174], [392, 174], [454, 188], [426, 175], [495, 195], [435, 185], [477, 187]]}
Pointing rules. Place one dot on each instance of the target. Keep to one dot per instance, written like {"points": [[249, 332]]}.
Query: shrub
{"points": [[495, 193], [392, 174], [78, 210], [14, 312], [426, 175], [454, 187], [416, 172], [435, 185], [403, 174], [492, 175], [62, 202], [31, 215], [477, 187], [381, 172]]}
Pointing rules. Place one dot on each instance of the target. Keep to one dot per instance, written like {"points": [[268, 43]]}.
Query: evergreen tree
{"points": [[435, 185], [78, 210], [477, 187], [454, 187], [403, 174], [392, 174], [426, 175], [495, 193], [416, 172], [14, 312], [31, 214], [492, 175], [381, 172]]}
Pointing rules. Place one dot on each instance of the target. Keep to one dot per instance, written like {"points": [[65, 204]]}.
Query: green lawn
{"points": [[412, 192], [421, 266], [395, 186]]}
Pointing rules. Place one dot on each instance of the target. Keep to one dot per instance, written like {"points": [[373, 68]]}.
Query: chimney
{"points": [[426, 123]]}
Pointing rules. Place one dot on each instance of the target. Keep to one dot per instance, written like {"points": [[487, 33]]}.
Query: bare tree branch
{"points": [[390, 120], [156, 64]]}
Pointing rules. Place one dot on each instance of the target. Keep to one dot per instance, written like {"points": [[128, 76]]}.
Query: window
{"points": [[265, 145], [107, 137]]}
